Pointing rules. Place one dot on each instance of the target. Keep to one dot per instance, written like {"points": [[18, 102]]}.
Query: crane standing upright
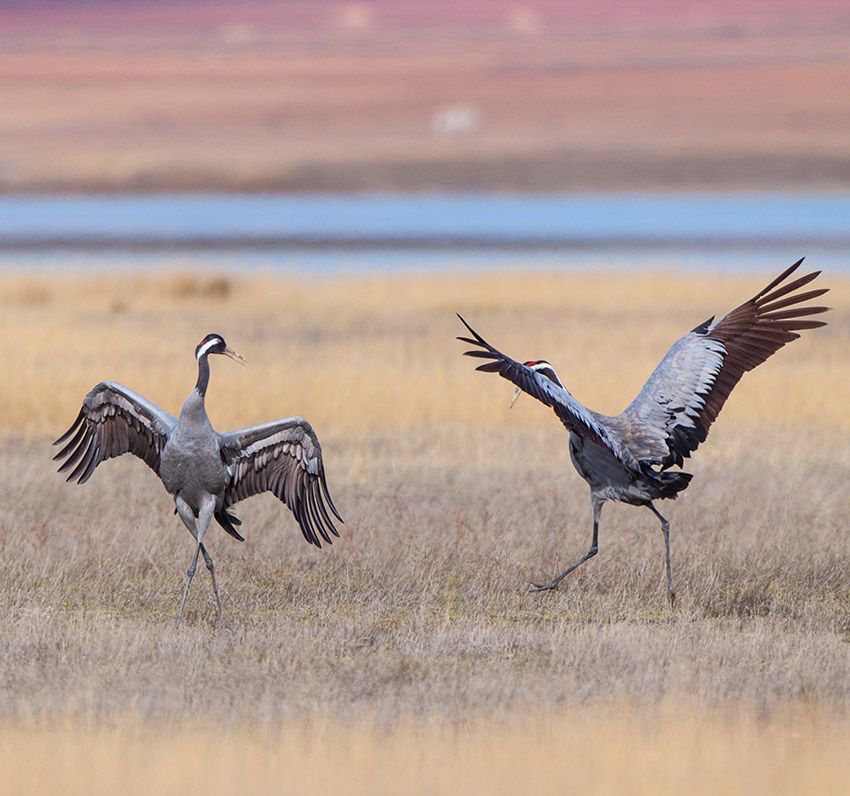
{"points": [[626, 457], [206, 472]]}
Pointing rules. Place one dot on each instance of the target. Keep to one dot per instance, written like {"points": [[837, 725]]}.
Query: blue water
{"points": [[390, 231]]}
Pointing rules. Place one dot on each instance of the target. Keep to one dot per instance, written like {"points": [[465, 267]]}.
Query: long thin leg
{"points": [[665, 529], [594, 549], [211, 568], [190, 573], [197, 527]]}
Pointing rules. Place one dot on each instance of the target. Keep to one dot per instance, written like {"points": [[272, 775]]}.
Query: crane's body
{"points": [[205, 471], [610, 479], [191, 466], [627, 457]]}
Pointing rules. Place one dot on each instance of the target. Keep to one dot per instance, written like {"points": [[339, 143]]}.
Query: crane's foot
{"points": [[549, 586], [671, 596]]}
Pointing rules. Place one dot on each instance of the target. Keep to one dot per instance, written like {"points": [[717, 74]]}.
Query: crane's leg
{"points": [[190, 573], [197, 527], [665, 529], [211, 568], [188, 517], [594, 549], [205, 515]]}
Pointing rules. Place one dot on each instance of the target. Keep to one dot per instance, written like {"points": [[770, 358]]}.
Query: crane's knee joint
{"points": [[210, 565]]}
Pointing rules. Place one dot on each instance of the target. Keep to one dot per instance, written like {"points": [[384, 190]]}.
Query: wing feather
{"points": [[683, 396], [572, 414], [113, 420], [285, 458]]}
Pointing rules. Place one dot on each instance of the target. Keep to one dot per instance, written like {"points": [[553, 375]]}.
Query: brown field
{"points": [[408, 656], [344, 96]]}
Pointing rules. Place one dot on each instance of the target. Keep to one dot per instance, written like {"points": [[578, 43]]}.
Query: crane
{"points": [[205, 471], [627, 457]]}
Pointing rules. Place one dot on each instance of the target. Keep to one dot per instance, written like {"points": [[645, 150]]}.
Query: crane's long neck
{"points": [[203, 375], [194, 413]]}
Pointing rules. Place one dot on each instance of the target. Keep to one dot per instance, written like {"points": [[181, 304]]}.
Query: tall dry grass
{"points": [[376, 352], [409, 653]]}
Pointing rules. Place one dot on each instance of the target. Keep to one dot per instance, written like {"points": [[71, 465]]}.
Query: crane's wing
{"points": [[572, 414], [282, 457], [113, 420], [673, 411]]}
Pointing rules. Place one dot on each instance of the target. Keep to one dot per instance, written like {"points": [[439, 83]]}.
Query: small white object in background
{"points": [[461, 119]]}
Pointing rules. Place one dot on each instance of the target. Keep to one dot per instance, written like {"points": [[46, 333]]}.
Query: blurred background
{"points": [[429, 133]]}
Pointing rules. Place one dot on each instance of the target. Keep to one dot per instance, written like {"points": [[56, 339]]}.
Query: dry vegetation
{"points": [[595, 750], [408, 655]]}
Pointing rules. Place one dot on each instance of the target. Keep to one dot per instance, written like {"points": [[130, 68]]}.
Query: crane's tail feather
{"points": [[668, 483], [227, 521]]}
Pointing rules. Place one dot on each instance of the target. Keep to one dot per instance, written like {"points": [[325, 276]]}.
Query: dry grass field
{"points": [[408, 656]]}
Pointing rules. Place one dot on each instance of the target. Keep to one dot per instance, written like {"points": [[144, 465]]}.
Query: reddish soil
{"points": [[495, 95]]}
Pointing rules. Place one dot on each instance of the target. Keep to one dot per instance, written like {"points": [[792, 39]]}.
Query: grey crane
{"points": [[205, 471], [626, 457]]}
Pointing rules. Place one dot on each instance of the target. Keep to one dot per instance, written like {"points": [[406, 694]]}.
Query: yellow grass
{"points": [[597, 750], [367, 352], [409, 657]]}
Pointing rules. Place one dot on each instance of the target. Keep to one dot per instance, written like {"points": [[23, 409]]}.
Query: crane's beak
{"points": [[229, 352], [517, 394]]}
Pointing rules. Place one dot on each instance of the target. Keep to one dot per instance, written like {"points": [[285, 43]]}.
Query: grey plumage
{"points": [[206, 472], [284, 458], [627, 457], [112, 421]]}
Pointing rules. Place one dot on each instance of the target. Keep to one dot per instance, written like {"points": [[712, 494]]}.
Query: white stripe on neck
{"points": [[207, 346], [544, 365]]}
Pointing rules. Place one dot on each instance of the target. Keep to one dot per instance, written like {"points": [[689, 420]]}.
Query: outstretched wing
{"points": [[572, 414], [282, 457], [113, 420], [673, 411]]}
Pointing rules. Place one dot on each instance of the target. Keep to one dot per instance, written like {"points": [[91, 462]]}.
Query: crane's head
{"points": [[542, 367], [214, 344]]}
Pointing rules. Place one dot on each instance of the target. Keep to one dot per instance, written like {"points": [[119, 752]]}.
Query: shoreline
{"points": [[569, 172]]}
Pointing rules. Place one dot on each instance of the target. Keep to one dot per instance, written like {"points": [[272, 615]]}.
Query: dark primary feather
{"points": [[229, 522], [113, 420], [571, 413], [283, 457], [674, 410]]}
